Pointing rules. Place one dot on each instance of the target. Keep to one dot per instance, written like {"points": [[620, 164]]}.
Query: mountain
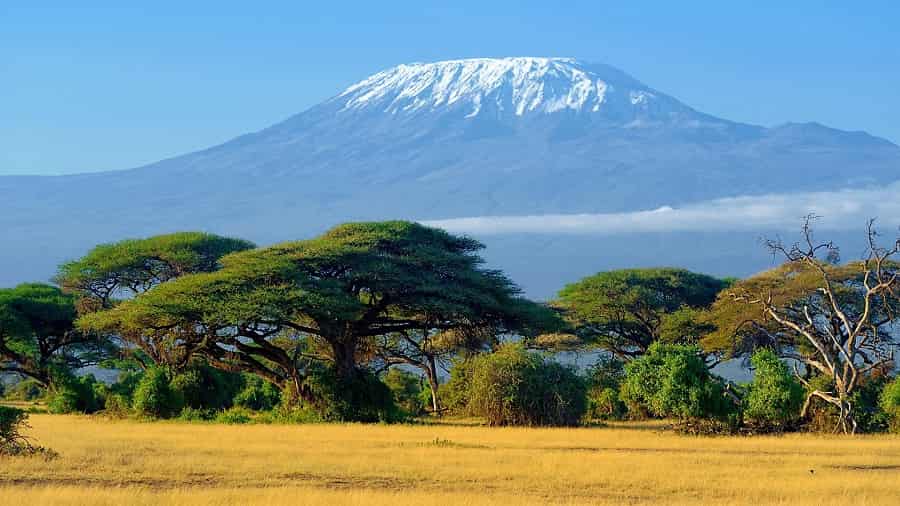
{"points": [[508, 136]]}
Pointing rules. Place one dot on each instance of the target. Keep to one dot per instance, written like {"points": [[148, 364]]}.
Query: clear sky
{"points": [[103, 85]]}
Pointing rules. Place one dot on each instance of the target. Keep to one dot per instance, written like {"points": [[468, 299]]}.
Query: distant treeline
{"points": [[365, 322]]}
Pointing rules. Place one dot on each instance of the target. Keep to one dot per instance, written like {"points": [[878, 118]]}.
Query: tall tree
{"points": [[110, 273], [625, 311], [836, 320], [274, 309], [37, 334]]}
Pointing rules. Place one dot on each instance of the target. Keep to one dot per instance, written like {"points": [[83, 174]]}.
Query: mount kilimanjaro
{"points": [[430, 141]]}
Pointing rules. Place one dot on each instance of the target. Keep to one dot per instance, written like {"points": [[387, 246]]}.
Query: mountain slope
{"points": [[440, 140]]}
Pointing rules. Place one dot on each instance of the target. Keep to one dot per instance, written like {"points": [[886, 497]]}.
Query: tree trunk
{"points": [[431, 373], [344, 358]]}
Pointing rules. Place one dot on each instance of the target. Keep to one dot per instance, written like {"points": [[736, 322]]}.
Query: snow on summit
{"points": [[522, 85]]}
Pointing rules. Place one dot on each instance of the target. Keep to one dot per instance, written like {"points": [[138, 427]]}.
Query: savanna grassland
{"points": [[126, 462]]}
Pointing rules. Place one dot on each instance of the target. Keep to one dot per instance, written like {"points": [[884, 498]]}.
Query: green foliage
{"points": [[234, 416], [890, 403], [407, 391], [356, 282], [624, 311], [189, 414], [25, 390], [360, 398], [71, 394], [12, 442], [674, 381], [775, 396], [454, 394], [135, 265], [603, 383], [37, 333], [257, 394], [154, 397], [203, 387], [513, 386]]}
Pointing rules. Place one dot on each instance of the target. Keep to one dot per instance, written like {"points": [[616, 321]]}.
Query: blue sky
{"points": [[109, 86]]}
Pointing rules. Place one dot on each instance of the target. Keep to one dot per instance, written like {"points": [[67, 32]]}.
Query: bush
{"points": [[257, 394], [153, 396], [189, 414], [362, 398], [204, 387], [406, 389], [25, 390], [234, 416], [889, 402], [674, 381], [775, 396], [454, 394], [513, 386], [71, 394], [604, 381]]}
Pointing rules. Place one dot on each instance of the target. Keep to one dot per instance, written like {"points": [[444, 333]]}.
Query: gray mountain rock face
{"points": [[477, 137]]}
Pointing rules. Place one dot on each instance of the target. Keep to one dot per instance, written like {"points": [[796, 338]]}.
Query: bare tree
{"points": [[843, 329]]}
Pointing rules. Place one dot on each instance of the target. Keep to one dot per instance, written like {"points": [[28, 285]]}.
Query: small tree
{"points": [[775, 396]]}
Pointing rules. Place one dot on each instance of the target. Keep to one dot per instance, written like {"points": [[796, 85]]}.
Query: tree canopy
{"points": [[132, 266], [37, 333], [273, 310], [625, 311]]}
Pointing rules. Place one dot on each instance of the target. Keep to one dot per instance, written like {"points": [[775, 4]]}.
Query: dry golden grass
{"points": [[124, 462]]}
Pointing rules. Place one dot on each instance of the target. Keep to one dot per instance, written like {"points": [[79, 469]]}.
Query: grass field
{"points": [[124, 462]]}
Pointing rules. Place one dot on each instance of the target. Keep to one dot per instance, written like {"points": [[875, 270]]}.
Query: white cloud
{"points": [[839, 210]]}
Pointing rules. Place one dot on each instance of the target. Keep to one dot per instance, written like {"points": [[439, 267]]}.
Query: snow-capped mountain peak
{"points": [[517, 85]]}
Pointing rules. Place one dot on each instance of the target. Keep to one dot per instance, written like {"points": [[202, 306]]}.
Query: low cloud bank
{"points": [[839, 210]]}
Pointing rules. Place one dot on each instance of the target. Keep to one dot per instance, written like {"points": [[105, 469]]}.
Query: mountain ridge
{"points": [[329, 164]]}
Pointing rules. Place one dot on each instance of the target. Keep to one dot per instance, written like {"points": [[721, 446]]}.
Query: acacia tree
{"points": [[625, 311], [834, 319], [110, 273], [275, 310], [37, 334]]}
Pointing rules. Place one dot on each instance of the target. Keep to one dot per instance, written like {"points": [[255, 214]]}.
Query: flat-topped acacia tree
{"points": [[110, 273], [271, 310], [38, 338], [625, 311]]}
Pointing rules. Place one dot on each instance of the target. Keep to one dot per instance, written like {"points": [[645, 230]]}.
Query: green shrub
{"points": [[454, 394], [775, 396], [189, 414], [603, 382], [361, 398], [25, 390], [154, 397], [288, 414], [257, 394], [890, 403], [234, 416], [513, 386], [71, 394], [406, 388], [204, 387], [674, 381]]}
